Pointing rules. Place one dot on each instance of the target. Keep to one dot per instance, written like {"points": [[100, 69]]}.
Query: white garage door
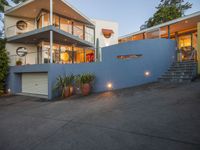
{"points": [[35, 83]]}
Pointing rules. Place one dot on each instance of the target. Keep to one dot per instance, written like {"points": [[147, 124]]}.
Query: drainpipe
{"points": [[51, 32]]}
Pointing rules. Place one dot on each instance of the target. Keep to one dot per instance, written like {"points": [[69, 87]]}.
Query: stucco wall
{"points": [[30, 58], [10, 25], [198, 46], [102, 24], [157, 56]]}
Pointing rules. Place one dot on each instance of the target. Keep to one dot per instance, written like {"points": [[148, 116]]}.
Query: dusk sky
{"points": [[130, 14]]}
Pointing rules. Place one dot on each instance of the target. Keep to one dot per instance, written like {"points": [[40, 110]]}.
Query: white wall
{"points": [[30, 58], [102, 24], [10, 25]]}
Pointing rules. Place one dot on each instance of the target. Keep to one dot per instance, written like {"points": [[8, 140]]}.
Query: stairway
{"points": [[180, 72]]}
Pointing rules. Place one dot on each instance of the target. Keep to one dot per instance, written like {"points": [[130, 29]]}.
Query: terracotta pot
{"points": [[85, 89], [68, 91]]}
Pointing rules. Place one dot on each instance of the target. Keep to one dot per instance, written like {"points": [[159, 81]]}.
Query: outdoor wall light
{"points": [[9, 90], [109, 85], [147, 73]]}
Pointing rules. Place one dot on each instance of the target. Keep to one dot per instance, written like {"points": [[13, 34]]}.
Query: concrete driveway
{"points": [[151, 117]]}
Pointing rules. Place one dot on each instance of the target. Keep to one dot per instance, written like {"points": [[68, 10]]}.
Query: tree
{"points": [[168, 10], [4, 60]]}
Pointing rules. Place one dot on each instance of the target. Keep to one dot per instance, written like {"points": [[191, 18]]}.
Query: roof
{"points": [[162, 25], [11, 11]]}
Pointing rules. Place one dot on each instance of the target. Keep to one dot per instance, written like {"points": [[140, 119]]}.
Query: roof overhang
{"points": [[59, 36], [191, 20], [31, 8]]}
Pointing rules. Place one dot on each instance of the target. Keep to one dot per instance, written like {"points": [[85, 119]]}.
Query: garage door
{"points": [[35, 83]]}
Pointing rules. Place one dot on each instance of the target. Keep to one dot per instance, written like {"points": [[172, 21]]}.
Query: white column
{"points": [[51, 32]]}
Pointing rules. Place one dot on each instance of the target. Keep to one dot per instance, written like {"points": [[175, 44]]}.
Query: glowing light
{"points": [[109, 85], [9, 90], [147, 73]]}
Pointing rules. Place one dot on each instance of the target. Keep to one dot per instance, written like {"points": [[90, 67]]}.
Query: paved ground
{"points": [[151, 117]]}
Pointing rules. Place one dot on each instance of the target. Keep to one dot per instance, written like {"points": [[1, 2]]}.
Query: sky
{"points": [[130, 14]]}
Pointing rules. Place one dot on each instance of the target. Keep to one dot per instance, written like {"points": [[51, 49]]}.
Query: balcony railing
{"points": [[14, 30], [75, 30]]}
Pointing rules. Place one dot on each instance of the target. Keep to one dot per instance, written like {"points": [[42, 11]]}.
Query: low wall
{"points": [[156, 56]]}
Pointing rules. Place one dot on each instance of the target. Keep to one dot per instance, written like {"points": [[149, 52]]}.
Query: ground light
{"points": [[147, 73], [109, 85]]}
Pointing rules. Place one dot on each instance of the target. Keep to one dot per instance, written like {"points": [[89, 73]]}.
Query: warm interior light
{"points": [[109, 85], [147, 73]]}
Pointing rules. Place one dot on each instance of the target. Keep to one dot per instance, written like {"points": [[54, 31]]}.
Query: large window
{"points": [[89, 34], [78, 30], [66, 25], [72, 27]]}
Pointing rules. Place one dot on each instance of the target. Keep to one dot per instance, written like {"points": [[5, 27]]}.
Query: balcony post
{"points": [[51, 32], [168, 32]]}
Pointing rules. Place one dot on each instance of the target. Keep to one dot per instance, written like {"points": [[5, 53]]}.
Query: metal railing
{"points": [[14, 30]]}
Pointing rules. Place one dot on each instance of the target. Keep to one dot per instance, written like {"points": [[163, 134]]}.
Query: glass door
{"points": [[185, 47]]}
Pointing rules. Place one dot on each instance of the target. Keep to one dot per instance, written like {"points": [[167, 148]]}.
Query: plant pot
{"points": [[86, 89], [68, 91]]}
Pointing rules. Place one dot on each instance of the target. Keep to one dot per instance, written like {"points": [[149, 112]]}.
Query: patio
{"points": [[154, 116]]}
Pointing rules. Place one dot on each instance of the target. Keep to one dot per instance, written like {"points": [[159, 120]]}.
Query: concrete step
{"points": [[180, 72]]}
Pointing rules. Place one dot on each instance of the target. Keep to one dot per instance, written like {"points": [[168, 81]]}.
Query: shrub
{"points": [[4, 60]]}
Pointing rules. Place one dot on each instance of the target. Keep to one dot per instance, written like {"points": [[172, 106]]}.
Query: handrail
{"points": [[192, 56]]}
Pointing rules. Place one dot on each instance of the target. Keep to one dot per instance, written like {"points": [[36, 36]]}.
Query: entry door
{"points": [[185, 47], [35, 83]]}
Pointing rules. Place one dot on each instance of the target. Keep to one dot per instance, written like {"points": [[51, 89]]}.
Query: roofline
{"points": [[64, 1], [162, 25]]}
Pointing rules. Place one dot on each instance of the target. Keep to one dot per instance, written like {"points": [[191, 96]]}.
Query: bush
{"points": [[4, 60]]}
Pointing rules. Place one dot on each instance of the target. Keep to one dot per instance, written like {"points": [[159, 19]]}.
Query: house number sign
{"points": [[21, 51]]}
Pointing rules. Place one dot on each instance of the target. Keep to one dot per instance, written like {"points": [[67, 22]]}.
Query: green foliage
{"points": [[168, 10], [4, 60], [63, 82], [86, 78], [19, 62]]}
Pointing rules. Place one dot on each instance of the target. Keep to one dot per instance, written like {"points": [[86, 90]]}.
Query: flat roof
{"points": [[162, 25]]}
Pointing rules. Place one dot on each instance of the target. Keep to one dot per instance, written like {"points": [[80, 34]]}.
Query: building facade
{"points": [[63, 35], [41, 32], [184, 30]]}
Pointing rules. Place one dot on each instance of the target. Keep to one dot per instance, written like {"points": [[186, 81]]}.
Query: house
{"points": [[48, 38], [52, 31], [185, 31]]}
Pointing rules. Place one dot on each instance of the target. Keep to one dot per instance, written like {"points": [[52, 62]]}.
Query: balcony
{"points": [[71, 29]]}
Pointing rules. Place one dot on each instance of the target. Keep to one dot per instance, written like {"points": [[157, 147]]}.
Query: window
{"points": [[89, 34], [66, 25], [78, 30], [130, 56]]}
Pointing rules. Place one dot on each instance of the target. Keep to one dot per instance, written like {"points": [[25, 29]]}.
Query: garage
{"points": [[35, 83]]}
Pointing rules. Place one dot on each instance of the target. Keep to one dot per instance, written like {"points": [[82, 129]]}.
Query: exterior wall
{"points": [[30, 58], [10, 25], [198, 46], [157, 56], [101, 24]]}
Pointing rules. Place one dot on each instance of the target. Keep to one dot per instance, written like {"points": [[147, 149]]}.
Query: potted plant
{"points": [[86, 80], [68, 89], [19, 62], [65, 85], [60, 85]]}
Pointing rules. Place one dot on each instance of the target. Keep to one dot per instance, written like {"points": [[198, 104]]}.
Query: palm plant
{"points": [[60, 85]]}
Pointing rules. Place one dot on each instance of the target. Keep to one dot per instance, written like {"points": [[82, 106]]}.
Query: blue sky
{"points": [[130, 14]]}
